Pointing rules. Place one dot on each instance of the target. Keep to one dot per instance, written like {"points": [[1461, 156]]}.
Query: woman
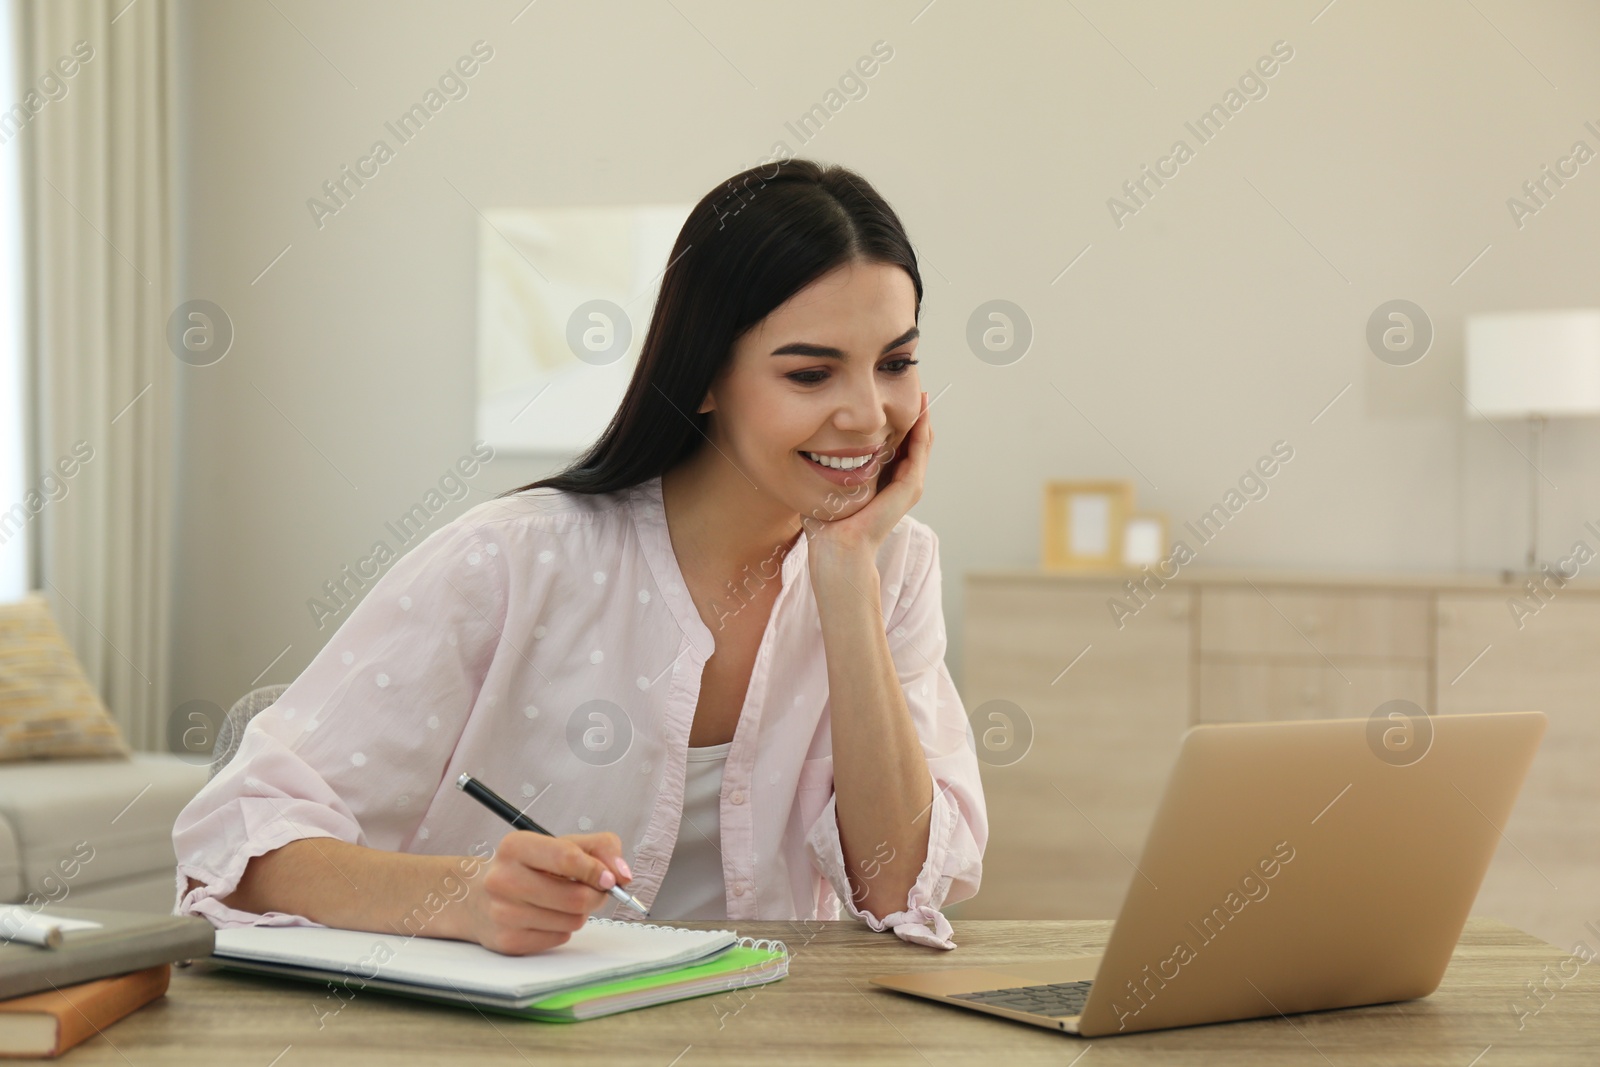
{"points": [[709, 654]]}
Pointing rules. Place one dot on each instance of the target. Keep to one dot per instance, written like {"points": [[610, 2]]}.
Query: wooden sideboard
{"points": [[1107, 695]]}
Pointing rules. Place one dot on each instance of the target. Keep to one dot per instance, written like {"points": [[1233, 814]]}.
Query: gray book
{"points": [[125, 941]]}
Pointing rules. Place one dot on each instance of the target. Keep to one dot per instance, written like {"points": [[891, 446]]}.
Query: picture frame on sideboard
{"points": [[1084, 525]]}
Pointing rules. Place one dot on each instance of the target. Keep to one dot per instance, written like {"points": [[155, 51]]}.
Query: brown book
{"points": [[43, 1025]]}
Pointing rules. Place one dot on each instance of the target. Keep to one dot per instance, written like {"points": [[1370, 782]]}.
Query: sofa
{"points": [[93, 833], [83, 818]]}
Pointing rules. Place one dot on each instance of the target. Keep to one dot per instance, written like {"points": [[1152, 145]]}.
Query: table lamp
{"points": [[1533, 365]]}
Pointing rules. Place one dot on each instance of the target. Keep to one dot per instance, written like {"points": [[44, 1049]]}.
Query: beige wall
{"points": [[1221, 318]]}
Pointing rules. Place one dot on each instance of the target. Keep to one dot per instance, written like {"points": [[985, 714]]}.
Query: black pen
{"points": [[497, 804]]}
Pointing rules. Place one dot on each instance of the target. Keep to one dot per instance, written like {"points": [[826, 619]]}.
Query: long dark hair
{"points": [[748, 246]]}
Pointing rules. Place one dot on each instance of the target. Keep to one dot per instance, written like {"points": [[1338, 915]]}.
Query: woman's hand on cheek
{"points": [[860, 534]]}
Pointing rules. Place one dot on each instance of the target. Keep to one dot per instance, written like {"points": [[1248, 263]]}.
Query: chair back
{"points": [[231, 731]]}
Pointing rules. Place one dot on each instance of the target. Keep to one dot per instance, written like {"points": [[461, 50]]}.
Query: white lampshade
{"points": [[1528, 363]]}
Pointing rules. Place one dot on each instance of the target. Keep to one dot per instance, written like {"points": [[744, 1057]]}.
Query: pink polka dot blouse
{"points": [[546, 643]]}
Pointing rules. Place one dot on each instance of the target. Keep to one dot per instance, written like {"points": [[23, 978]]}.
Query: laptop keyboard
{"points": [[1058, 999]]}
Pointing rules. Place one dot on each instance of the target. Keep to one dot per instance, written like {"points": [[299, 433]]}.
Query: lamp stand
{"points": [[1536, 446]]}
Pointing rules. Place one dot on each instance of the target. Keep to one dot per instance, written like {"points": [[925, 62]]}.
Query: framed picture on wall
{"points": [[564, 299], [1084, 524]]}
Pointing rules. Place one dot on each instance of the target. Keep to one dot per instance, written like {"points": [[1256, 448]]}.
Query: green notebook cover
{"points": [[560, 1007], [557, 1008]]}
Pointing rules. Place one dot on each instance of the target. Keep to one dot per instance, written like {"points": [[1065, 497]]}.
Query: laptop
{"points": [[1292, 866]]}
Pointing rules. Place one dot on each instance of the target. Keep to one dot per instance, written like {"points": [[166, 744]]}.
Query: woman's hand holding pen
{"points": [[537, 891]]}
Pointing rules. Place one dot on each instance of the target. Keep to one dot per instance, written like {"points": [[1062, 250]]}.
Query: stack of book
{"points": [[68, 973]]}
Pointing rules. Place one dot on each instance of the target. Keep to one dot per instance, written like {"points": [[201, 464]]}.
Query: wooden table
{"points": [[826, 1012]]}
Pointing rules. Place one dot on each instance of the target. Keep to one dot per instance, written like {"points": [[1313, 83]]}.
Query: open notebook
{"points": [[604, 961]]}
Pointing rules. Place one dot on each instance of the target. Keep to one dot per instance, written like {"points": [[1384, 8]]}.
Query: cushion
{"points": [[48, 709], [86, 823]]}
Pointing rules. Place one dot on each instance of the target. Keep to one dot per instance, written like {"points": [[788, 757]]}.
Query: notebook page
{"points": [[600, 951]]}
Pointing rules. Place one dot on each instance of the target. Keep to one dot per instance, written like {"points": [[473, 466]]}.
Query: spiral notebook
{"points": [[597, 962]]}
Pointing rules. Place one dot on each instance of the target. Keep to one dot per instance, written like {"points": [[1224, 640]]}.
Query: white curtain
{"points": [[14, 570], [96, 180]]}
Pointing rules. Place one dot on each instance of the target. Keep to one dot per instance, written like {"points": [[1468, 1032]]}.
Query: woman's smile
{"points": [[845, 467]]}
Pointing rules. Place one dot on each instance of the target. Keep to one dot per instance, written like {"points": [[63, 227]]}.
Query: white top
{"points": [[693, 887]]}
